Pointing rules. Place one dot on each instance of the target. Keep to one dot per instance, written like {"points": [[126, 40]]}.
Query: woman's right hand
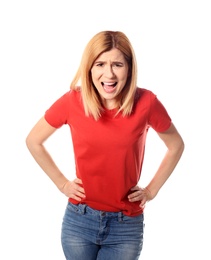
{"points": [[73, 189]]}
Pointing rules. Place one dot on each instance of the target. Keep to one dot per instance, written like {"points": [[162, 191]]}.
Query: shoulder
{"points": [[69, 97], [143, 94], [59, 112], [71, 94], [144, 91], [66, 100], [157, 115]]}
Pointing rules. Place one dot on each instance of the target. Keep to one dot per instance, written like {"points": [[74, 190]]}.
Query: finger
{"points": [[135, 188], [135, 198], [81, 190], [76, 194], [78, 181], [143, 203], [142, 206], [75, 197], [80, 195], [135, 194]]}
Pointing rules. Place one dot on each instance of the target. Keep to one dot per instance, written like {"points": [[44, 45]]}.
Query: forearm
{"points": [[44, 160], [164, 171]]}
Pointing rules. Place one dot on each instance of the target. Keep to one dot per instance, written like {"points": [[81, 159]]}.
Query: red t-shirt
{"points": [[109, 152]]}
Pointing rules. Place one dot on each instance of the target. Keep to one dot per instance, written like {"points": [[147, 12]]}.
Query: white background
{"points": [[40, 49]]}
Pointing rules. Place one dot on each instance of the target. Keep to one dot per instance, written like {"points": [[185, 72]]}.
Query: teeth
{"points": [[108, 83]]}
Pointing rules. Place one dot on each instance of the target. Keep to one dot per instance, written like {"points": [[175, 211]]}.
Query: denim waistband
{"points": [[84, 208]]}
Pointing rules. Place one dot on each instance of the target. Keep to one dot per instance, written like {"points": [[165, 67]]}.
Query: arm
{"points": [[35, 143], [175, 148]]}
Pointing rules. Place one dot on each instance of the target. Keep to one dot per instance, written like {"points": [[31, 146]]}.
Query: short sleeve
{"points": [[159, 118], [57, 113]]}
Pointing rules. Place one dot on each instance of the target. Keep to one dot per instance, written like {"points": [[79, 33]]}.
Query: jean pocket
{"points": [[76, 208], [133, 220]]}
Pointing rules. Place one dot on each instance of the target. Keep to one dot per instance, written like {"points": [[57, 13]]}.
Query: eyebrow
{"points": [[100, 61]]}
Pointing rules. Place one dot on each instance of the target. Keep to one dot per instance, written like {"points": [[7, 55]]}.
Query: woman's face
{"points": [[109, 75]]}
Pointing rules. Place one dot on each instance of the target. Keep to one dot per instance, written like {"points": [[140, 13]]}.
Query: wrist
{"points": [[150, 192], [61, 182]]}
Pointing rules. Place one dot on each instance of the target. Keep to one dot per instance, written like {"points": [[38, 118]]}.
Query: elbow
{"points": [[177, 147], [28, 142], [181, 147]]}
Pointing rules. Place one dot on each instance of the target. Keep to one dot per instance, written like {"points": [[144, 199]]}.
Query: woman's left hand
{"points": [[140, 194]]}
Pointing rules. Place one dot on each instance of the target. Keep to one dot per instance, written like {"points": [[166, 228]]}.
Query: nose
{"points": [[109, 71]]}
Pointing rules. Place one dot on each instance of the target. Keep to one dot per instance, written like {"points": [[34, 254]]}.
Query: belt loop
{"points": [[82, 208], [120, 216]]}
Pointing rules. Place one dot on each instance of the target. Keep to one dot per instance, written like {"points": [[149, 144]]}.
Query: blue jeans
{"points": [[89, 234]]}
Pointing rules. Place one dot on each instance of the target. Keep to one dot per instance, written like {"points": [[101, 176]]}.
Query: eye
{"points": [[118, 64], [100, 64]]}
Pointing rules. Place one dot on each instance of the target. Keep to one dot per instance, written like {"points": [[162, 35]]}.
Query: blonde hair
{"points": [[102, 42]]}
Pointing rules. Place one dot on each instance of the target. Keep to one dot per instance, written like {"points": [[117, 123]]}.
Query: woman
{"points": [[109, 117]]}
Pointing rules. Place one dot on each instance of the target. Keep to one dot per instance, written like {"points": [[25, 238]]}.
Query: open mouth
{"points": [[109, 86]]}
